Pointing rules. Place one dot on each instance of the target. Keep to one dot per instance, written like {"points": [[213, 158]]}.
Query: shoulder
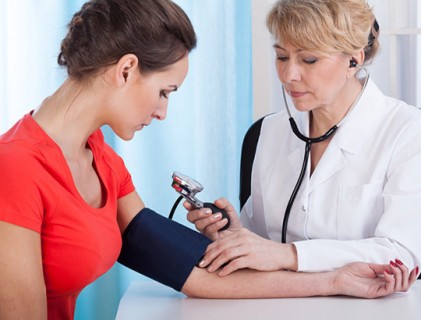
{"points": [[19, 156], [390, 109], [277, 121], [275, 126], [401, 118], [276, 118]]}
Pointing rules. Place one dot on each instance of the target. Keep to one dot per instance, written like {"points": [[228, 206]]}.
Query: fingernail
{"points": [[417, 269], [399, 262], [388, 272], [208, 211], [210, 269], [217, 215], [393, 264], [202, 263]]}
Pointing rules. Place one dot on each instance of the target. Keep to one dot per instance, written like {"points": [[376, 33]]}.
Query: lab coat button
{"points": [[303, 208]]}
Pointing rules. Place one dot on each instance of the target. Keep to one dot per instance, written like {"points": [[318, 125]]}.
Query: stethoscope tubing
{"points": [[309, 141]]}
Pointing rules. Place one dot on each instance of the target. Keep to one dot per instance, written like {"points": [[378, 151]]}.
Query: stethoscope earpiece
{"points": [[353, 63]]}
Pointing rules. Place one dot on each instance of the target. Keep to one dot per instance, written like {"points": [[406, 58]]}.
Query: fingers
{"points": [[404, 279], [223, 203], [400, 272], [224, 266], [413, 276], [397, 273], [210, 224], [232, 252], [389, 287], [220, 252], [207, 223], [379, 269]]}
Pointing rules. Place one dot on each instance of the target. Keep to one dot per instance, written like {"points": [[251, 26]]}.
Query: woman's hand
{"points": [[209, 224], [373, 280], [245, 249]]}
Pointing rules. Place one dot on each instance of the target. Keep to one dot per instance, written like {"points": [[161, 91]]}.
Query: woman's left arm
{"points": [[127, 208]]}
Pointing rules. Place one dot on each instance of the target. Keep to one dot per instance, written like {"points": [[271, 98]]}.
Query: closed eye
{"points": [[310, 61], [163, 94]]}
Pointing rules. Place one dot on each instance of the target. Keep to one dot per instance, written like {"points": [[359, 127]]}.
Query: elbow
{"points": [[197, 284]]}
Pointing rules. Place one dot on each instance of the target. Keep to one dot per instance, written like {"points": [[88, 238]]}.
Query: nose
{"points": [[160, 112], [289, 72]]}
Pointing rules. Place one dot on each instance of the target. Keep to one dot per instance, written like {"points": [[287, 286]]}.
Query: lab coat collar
{"points": [[347, 139], [357, 124]]}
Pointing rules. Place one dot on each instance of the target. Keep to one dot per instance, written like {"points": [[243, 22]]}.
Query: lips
{"points": [[141, 126], [296, 94]]}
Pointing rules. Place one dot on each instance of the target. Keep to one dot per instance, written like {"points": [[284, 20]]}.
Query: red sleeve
{"points": [[126, 185], [20, 199]]}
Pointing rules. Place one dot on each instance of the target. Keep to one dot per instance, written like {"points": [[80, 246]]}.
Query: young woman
{"points": [[68, 205]]}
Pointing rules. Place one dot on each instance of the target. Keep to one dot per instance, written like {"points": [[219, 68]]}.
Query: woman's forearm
{"points": [[256, 284], [356, 279]]}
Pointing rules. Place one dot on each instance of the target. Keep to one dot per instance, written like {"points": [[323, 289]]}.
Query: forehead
{"points": [[174, 74], [292, 48]]}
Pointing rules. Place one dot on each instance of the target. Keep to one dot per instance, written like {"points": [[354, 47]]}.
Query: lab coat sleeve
{"points": [[397, 234]]}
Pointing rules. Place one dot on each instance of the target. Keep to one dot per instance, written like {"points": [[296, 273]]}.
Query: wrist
{"points": [[289, 257], [333, 282]]}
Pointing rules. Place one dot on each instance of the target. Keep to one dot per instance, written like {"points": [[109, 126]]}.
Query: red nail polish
{"points": [[399, 262], [388, 272], [417, 270], [393, 264]]}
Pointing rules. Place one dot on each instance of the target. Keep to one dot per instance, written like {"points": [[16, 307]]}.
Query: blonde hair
{"points": [[346, 26]]}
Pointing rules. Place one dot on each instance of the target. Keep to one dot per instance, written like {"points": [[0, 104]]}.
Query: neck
{"points": [[68, 117], [321, 120]]}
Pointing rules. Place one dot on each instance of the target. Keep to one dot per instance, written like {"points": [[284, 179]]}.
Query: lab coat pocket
{"points": [[359, 210]]}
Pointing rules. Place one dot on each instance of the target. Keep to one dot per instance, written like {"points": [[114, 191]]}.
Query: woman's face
{"points": [[312, 80], [146, 98]]}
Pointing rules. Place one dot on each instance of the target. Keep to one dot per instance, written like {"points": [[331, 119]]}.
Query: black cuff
{"points": [[161, 249]]}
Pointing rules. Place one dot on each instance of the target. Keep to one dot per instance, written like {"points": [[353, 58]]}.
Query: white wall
{"points": [[396, 70]]}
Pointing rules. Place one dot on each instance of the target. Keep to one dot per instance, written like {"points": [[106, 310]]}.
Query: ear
{"points": [[126, 69]]}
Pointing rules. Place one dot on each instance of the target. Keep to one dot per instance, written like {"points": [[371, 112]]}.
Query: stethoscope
{"points": [[309, 141]]}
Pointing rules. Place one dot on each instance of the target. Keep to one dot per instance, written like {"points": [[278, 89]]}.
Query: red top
{"points": [[37, 191]]}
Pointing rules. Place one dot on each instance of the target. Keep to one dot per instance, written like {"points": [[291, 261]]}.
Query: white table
{"points": [[150, 300]]}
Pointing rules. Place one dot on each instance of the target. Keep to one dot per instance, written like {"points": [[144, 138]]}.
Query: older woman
{"points": [[356, 196]]}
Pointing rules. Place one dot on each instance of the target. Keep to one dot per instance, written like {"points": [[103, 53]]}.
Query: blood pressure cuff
{"points": [[161, 249]]}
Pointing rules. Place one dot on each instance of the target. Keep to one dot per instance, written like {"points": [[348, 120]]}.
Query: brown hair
{"points": [[158, 32], [345, 26]]}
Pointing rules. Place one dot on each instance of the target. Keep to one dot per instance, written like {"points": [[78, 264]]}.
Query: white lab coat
{"points": [[363, 200]]}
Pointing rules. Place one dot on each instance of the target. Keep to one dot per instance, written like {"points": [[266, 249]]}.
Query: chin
{"points": [[302, 108], [126, 136]]}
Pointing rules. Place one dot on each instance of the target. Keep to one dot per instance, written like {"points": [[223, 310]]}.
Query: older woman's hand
{"points": [[244, 249], [209, 224]]}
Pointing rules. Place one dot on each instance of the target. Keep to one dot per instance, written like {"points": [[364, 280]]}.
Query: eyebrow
{"points": [[277, 46]]}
